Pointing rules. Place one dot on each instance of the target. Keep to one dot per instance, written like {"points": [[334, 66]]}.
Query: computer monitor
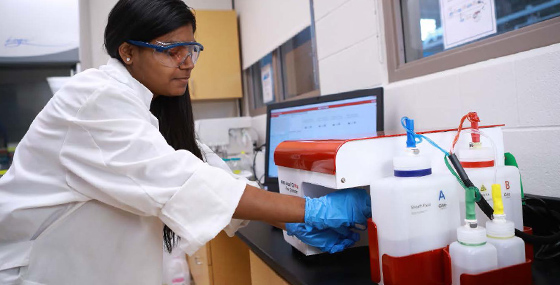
{"points": [[347, 115]]}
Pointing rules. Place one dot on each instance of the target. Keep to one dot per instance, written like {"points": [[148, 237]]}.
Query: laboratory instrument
{"points": [[316, 168], [347, 115]]}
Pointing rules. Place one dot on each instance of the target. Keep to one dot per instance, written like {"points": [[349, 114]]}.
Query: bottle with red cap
{"points": [[485, 167]]}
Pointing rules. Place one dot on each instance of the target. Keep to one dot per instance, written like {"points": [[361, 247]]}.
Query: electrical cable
{"points": [[549, 213], [256, 150], [541, 216]]}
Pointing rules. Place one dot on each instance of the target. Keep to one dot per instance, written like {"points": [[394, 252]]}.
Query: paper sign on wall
{"points": [[266, 79], [466, 20]]}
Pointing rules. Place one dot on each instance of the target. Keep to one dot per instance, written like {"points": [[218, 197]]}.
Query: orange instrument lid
{"points": [[320, 155]]}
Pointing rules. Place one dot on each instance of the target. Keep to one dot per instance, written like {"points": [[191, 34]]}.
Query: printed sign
{"points": [[267, 87], [466, 20]]}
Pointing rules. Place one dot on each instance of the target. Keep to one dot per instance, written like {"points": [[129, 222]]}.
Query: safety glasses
{"points": [[172, 54]]}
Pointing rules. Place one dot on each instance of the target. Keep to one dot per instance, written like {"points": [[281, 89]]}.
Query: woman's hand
{"points": [[340, 209], [327, 240]]}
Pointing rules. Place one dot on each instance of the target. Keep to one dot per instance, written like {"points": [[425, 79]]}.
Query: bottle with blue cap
{"points": [[414, 210]]}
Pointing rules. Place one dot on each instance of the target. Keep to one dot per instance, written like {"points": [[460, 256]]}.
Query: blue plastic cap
{"points": [[410, 140]]}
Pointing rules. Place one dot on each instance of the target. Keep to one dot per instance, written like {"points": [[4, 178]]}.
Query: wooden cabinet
{"points": [[223, 260], [262, 273], [200, 266], [217, 74], [226, 260]]}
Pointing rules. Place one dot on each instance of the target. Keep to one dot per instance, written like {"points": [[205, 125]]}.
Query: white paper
{"points": [[466, 20], [267, 87]]}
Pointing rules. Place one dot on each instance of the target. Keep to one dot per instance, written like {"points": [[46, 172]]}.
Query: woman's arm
{"points": [[279, 225], [322, 222], [258, 204]]}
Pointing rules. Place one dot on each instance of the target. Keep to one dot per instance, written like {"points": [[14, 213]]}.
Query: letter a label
{"points": [[441, 195]]}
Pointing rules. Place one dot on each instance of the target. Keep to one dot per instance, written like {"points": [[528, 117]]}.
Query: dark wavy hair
{"points": [[145, 20]]}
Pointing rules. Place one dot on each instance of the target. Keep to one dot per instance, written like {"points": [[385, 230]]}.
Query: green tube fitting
{"points": [[510, 160], [470, 203]]}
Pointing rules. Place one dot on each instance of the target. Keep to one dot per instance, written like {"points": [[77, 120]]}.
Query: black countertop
{"points": [[348, 267]]}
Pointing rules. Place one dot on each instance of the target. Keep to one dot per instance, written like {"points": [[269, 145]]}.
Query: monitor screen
{"points": [[346, 115]]}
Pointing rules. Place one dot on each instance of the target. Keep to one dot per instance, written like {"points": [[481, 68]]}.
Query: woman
{"points": [[94, 181]]}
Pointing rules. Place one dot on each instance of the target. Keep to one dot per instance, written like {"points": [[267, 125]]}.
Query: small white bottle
{"points": [[501, 234], [177, 272], [175, 268], [471, 253]]}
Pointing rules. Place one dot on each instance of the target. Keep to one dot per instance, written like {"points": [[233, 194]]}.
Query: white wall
{"points": [[520, 90], [265, 25], [350, 45], [85, 35], [93, 19], [98, 11]]}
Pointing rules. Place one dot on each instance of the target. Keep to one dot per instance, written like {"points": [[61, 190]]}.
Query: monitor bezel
{"points": [[378, 92]]}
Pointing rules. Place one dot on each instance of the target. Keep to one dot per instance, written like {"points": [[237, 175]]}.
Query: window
{"points": [[284, 74], [297, 65], [427, 36]]}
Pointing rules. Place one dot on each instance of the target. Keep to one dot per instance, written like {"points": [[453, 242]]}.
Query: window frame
{"points": [[537, 35]]}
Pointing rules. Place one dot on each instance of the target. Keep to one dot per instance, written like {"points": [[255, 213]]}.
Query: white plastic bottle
{"points": [[479, 164], [414, 210], [471, 253], [246, 166], [175, 268], [177, 272], [501, 234]]}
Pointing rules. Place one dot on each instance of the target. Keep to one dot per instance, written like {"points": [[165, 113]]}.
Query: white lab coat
{"points": [[93, 182]]}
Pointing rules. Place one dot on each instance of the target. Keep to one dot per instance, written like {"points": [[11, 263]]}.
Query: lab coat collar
{"points": [[118, 71]]}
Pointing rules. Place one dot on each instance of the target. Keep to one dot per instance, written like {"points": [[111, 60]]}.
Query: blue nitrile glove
{"points": [[327, 240], [344, 208]]}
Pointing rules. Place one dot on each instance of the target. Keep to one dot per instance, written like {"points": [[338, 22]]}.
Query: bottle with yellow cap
{"points": [[501, 234]]}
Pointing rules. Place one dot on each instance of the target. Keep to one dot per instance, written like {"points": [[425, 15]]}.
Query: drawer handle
{"points": [[197, 260]]}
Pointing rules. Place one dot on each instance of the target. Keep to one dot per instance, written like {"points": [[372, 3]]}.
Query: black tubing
{"points": [[533, 239], [460, 171], [482, 203]]}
